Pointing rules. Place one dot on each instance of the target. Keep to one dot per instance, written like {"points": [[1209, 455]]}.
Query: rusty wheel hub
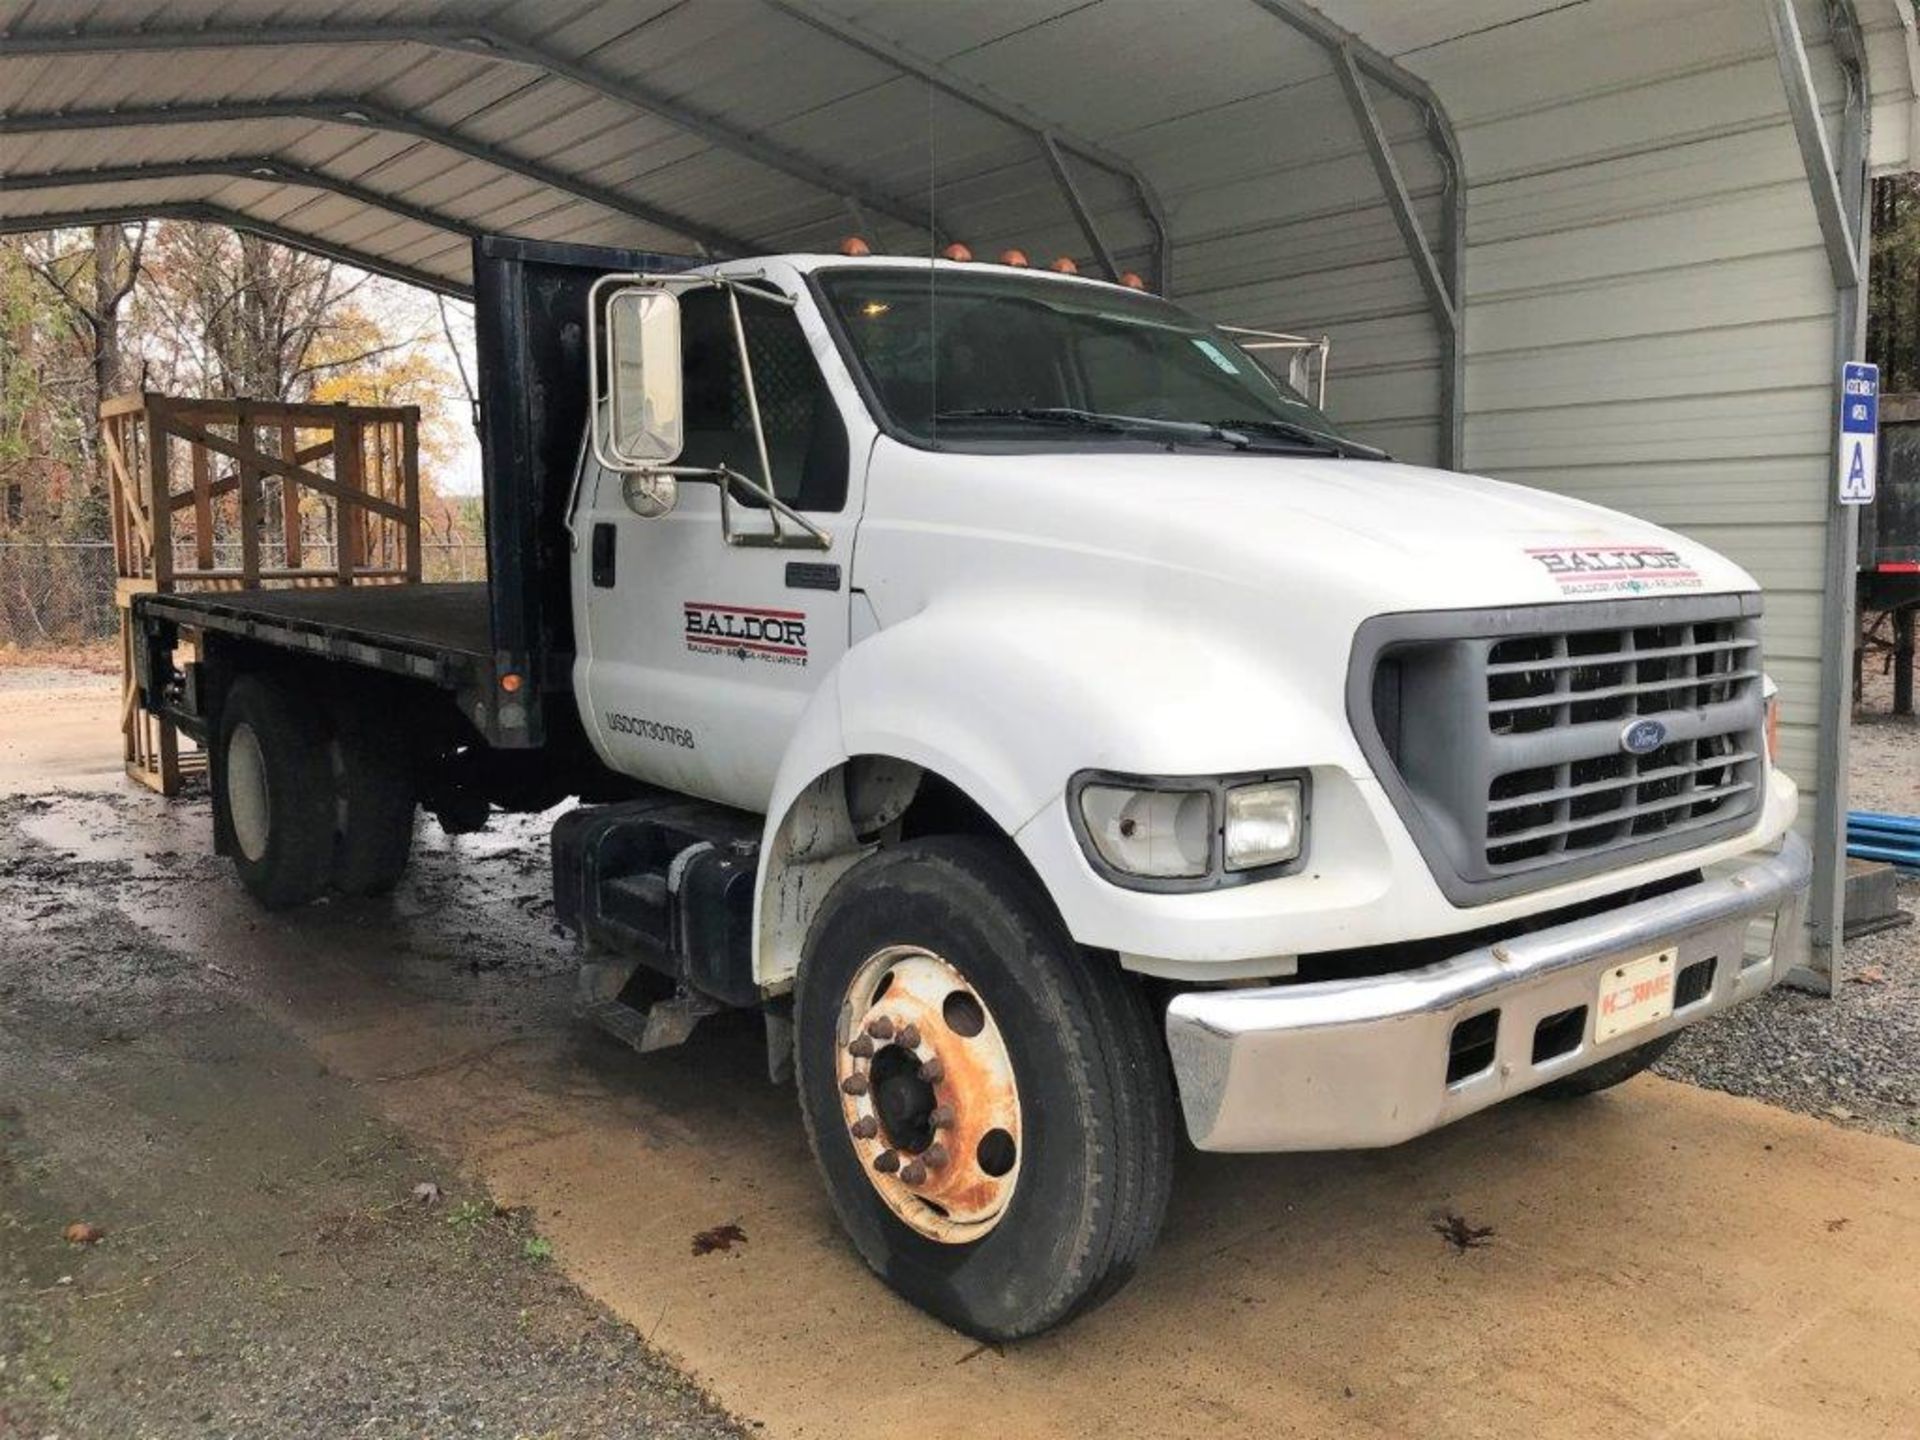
{"points": [[928, 1094]]}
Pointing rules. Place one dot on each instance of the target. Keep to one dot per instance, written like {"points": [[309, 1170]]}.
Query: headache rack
{"points": [[1527, 747]]}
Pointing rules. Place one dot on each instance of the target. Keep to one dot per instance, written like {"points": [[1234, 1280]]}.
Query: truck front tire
{"points": [[991, 1108], [275, 791]]}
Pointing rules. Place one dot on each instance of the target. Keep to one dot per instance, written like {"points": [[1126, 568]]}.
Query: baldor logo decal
{"points": [[775, 637], [1616, 569]]}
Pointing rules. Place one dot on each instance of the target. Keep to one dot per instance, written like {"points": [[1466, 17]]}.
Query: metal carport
{"points": [[1610, 247]]}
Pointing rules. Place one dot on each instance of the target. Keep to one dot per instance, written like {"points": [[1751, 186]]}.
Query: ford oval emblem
{"points": [[1643, 737]]}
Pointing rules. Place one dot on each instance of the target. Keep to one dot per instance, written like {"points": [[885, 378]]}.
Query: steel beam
{"points": [[358, 113], [1443, 273], [207, 213], [1823, 176], [266, 169], [483, 40], [1839, 191], [1076, 202], [1439, 298], [957, 87]]}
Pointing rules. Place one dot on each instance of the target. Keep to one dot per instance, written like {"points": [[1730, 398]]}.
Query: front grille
{"points": [[1504, 733]]}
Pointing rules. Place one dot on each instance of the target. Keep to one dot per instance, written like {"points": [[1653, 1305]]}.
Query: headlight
{"points": [[1263, 825], [1183, 833], [1159, 834]]}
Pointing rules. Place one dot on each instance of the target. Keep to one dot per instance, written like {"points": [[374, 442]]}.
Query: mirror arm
{"points": [[813, 538]]}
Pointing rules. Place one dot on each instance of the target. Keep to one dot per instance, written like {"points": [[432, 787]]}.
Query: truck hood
{"points": [[1379, 536]]}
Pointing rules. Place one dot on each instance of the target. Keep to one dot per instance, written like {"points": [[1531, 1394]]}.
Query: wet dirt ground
{"points": [[1661, 1261]]}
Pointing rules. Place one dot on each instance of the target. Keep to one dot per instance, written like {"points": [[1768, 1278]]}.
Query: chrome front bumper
{"points": [[1351, 1064]]}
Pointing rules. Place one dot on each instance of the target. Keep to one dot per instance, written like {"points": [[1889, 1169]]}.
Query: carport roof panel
{"points": [[743, 124]]}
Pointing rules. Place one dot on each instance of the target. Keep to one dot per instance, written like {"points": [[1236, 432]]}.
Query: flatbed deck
{"points": [[428, 632]]}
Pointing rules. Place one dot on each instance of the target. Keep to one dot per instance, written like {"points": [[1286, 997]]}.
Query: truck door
{"points": [[697, 656]]}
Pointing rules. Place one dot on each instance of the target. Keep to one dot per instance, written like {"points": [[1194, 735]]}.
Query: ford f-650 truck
{"points": [[1049, 718]]}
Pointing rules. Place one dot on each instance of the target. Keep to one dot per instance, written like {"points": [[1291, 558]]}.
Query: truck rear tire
{"points": [[1609, 1073], [991, 1107], [275, 791], [373, 791]]}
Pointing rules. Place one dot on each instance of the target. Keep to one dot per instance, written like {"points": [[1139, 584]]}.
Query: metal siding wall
{"points": [[1297, 236], [1650, 312]]}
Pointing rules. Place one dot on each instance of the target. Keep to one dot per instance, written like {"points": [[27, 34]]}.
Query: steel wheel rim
{"points": [[248, 804], [928, 1094]]}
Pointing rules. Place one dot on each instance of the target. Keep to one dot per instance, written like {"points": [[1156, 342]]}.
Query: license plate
{"points": [[1634, 995]]}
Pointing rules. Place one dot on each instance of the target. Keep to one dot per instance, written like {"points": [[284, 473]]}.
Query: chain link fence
{"points": [[60, 593]]}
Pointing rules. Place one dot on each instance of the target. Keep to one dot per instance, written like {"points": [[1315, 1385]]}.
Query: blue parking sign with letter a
{"points": [[1859, 431]]}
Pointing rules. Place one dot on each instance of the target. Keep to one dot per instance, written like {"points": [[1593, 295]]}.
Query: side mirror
{"points": [[649, 494], [637, 421]]}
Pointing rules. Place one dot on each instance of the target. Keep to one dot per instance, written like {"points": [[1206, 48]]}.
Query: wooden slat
{"points": [[346, 461], [410, 494], [246, 448], [289, 498], [160, 521], [130, 492], [315, 415], [202, 507]]}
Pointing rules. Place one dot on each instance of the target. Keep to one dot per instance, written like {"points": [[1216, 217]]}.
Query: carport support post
{"points": [[1840, 203]]}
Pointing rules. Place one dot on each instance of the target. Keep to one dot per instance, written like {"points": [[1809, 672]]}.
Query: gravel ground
{"points": [[1854, 1057], [267, 1267]]}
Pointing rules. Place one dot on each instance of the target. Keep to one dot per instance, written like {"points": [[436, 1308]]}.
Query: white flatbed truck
{"points": [[1061, 730]]}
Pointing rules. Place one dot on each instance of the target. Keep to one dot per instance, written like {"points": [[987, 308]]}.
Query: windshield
{"points": [[958, 357]]}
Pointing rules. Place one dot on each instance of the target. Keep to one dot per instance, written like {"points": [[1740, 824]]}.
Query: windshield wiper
{"points": [[1308, 437], [1100, 420]]}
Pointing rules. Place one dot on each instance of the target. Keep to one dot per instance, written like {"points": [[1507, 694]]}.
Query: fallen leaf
{"points": [[1868, 975], [1455, 1230], [720, 1237], [80, 1232], [1839, 1112], [427, 1193], [1834, 1227]]}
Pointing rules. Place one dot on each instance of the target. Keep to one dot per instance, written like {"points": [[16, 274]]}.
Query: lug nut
{"points": [[880, 1028], [855, 1085], [913, 1172], [887, 1161], [860, 1047], [933, 1071], [865, 1128], [910, 1036], [935, 1155], [940, 1117]]}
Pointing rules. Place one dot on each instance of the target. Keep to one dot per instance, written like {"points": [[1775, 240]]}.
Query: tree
{"points": [[1893, 292], [93, 281]]}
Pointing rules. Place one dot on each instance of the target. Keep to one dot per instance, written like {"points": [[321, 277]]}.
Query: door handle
{"points": [[605, 537]]}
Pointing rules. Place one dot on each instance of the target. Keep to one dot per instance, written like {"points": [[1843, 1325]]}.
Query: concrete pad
{"points": [[59, 730], [1662, 1261]]}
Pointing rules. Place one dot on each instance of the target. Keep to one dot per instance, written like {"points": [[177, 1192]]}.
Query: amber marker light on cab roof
{"points": [[1015, 258], [855, 245], [1132, 281], [1065, 265], [957, 251]]}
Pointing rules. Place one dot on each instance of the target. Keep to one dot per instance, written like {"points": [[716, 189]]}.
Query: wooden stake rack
{"points": [[245, 494]]}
